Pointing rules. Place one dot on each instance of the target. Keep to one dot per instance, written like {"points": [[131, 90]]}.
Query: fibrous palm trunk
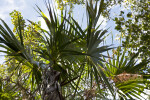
{"points": [[50, 85]]}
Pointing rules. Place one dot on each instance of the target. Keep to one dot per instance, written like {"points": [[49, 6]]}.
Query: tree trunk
{"points": [[50, 85]]}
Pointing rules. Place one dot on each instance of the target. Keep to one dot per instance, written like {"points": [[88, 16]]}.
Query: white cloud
{"points": [[9, 5], [43, 25]]}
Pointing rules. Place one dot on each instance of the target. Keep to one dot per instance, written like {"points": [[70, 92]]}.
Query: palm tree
{"points": [[67, 45], [67, 63]]}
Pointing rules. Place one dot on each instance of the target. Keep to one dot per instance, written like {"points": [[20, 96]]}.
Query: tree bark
{"points": [[50, 85]]}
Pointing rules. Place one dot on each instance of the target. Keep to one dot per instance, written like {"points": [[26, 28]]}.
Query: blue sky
{"points": [[26, 7]]}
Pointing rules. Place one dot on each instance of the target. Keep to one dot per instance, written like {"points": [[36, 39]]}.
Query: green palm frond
{"points": [[128, 81], [11, 43]]}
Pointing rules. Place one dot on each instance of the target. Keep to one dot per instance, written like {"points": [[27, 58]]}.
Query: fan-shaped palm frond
{"points": [[127, 75]]}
